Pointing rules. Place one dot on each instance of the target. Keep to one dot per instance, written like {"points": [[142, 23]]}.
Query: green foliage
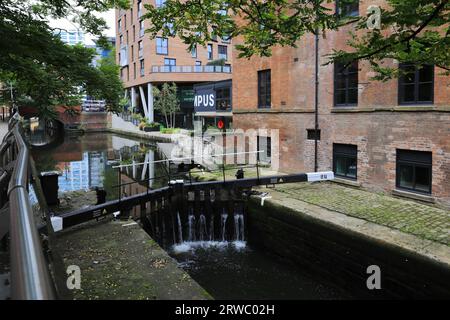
{"points": [[46, 72], [166, 101], [169, 130], [107, 84], [411, 30], [218, 62]]}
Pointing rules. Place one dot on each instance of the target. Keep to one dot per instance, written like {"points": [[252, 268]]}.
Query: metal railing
{"points": [[93, 105], [191, 69], [30, 277]]}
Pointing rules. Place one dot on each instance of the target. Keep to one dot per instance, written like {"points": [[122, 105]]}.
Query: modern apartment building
{"points": [[392, 137], [146, 63]]}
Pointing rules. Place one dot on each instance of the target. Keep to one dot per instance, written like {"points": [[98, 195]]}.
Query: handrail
{"points": [[30, 278]]}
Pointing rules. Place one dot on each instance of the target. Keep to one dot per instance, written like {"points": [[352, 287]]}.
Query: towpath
{"points": [[408, 216]]}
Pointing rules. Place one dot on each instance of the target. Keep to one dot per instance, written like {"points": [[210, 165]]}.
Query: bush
{"points": [[169, 130]]}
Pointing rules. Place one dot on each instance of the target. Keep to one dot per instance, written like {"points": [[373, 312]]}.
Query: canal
{"points": [[227, 270]]}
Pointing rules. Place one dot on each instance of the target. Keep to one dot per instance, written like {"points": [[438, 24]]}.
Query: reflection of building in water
{"points": [[97, 161], [85, 174]]}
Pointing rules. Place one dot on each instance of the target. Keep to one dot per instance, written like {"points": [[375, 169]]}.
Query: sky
{"points": [[109, 17]]}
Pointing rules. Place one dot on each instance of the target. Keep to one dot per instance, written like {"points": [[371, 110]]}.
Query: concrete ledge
{"points": [[160, 137], [347, 182], [286, 110], [423, 108], [412, 195], [119, 260]]}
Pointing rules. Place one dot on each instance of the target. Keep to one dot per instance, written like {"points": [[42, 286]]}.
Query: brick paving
{"points": [[407, 216]]}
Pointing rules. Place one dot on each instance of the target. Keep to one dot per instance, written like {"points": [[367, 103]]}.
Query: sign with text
{"points": [[205, 100]]}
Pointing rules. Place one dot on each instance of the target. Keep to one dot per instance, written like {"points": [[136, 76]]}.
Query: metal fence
{"points": [[30, 276], [191, 69]]}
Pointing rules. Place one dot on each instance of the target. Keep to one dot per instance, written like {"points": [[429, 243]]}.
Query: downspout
{"points": [[316, 102]]}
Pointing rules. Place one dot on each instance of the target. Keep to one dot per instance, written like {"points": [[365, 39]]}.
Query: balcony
{"points": [[191, 69]]}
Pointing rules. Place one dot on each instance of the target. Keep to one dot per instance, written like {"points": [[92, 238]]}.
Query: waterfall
{"points": [[191, 225], [220, 231], [180, 228], [224, 224], [211, 229], [202, 228], [239, 227]]}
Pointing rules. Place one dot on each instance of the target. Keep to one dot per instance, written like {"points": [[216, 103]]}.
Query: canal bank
{"points": [[118, 260], [324, 262], [341, 247]]}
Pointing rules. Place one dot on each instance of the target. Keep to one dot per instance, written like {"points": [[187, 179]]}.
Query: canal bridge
{"points": [[28, 239]]}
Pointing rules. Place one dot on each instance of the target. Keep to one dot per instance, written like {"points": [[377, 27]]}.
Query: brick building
{"points": [[146, 63], [392, 137]]}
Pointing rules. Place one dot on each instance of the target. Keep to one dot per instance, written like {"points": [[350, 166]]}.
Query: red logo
{"points": [[220, 124]]}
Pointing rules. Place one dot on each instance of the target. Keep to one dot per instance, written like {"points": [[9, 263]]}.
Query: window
{"points": [[141, 28], [223, 54], [311, 134], [223, 99], [124, 21], [121, 39], [264, 89], [264, 144], [132, 53], [131, 16], [198, 63], [160, 3], [134, 33], [134, 70], [139, 5], [169, 26], [141, 49], [142, 68], [226, 38], [214, 34], [347, 8], [194, 52], [345, 160], [346, 84], [170, 64], [162, 45], [210, 51], [414, 170], [127, 36], [416, 86], [119, 25]]}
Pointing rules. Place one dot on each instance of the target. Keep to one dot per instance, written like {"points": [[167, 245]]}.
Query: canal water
{"points": [[87, 161], [226, 269]]}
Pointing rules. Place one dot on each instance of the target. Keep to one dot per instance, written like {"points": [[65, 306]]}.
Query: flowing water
{"points": [[212, 248]]}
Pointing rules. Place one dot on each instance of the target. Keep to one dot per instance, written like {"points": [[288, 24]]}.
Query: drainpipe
{"points": [[316, 102]]}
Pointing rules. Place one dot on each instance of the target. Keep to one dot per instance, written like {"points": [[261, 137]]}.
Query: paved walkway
{"points": [[407, 216]]}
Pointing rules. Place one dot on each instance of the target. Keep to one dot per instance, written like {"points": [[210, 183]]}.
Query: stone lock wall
{"points": [[342, 256]]}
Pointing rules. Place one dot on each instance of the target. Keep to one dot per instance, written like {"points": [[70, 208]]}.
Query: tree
{"points": [[46, 71], [108, 85], [411, 30], [166, 101]]}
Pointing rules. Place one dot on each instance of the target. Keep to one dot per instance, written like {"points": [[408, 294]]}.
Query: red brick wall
{"points": [[377, 124]]}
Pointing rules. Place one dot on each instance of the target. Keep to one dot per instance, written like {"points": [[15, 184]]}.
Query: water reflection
{"points": [[85, 162]]}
